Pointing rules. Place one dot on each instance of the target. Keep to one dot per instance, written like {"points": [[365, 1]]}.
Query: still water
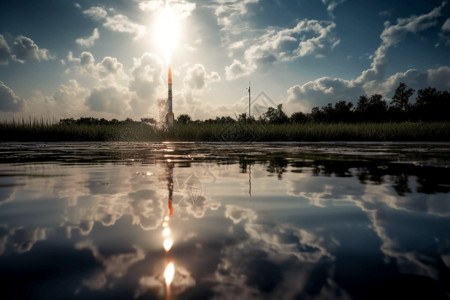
{"points": [[224, 221]]}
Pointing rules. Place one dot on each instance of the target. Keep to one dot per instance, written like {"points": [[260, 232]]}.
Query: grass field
{"points": [[33, 130]]}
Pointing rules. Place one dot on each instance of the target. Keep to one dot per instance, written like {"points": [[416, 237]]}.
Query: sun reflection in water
{"points": [[168, 243], [169, 273]]}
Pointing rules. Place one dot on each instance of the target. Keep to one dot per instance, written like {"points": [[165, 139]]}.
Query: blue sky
{"points": [[62, 59]]}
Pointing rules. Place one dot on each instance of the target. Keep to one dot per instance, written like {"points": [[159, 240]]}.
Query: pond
{"points": [[224, 221]]}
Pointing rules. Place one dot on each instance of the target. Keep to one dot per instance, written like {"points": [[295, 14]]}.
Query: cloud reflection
{"points": [[276, 260]]}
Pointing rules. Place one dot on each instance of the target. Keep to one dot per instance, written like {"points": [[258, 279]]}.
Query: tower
{"points": [[169, 116]]}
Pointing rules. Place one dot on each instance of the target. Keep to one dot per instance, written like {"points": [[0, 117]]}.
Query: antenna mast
{"points": [[249, 99]]}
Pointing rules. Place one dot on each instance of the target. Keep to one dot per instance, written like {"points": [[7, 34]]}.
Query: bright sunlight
{"points": [[167, 31]]}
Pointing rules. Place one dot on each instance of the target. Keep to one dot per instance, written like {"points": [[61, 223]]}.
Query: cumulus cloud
{"points": [[23, 49], [327, 90], [147, 76], [117, 22], [197, 81], [9, 101], [308, 37], [228, 12], [110, 99], [89, 42], [238, 69], [109, 68], [323, 91], [197, 78], [181, 8], [392, 35]]}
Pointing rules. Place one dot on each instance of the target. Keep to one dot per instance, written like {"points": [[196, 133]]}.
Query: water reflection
{"points": [[160, 221]]}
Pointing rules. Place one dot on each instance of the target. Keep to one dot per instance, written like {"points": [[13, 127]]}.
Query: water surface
{"points": [[232, 221]]}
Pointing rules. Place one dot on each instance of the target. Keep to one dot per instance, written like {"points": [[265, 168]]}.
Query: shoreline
{"points": [[238, 132]]}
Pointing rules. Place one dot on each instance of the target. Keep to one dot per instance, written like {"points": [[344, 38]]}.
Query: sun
{"points": [[167, 31]]}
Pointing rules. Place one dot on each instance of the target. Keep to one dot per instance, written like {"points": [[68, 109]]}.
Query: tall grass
{"points": [[40, 130]]}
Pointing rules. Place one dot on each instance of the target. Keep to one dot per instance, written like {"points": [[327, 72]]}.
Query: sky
{"points": [[109, 58]]}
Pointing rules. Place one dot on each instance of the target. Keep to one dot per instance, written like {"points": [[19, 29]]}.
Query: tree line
{"points": [[430, 105]]}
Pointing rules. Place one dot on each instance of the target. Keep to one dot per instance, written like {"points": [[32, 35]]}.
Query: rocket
{"points": [[170, 115]]}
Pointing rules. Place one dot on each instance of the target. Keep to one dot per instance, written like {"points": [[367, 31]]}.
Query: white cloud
{"points": [[321, 92], [181, 8], [228, 11], [308, 37], [84, 63], [392, 35], [151, 5], [111, 99], [147, 77], [196, 82], [108, 70], [88, 42], [8, 99], [96, 12], [23, 49], [238, 69], [121, 23], [326, 90], [198, 79], [332, 4], [117, 22]]}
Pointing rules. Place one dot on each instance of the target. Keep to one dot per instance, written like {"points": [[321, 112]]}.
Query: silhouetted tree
{"points": [[432, 105], [343, 111], [298, 118], [373, 109], [184, 119], [242, 117], [148, 120], [275, 115], [400, 100]]}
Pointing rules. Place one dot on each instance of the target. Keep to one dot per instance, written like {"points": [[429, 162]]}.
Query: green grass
{"points": [[39, 130]]}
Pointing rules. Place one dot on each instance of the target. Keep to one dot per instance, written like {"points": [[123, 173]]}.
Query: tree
{"points": [[432, 105], [148, 120], [400, 100], [184, 119], [343, 111], [276, 115], [298, 118], [373, 109]]}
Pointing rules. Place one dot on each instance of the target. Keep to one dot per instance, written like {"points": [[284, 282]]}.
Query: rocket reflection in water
{"points": [[169, 271]]}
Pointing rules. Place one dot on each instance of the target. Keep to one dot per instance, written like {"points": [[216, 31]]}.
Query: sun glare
{"points": [[167, 31]]}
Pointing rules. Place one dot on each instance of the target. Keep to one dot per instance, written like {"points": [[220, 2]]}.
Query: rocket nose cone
{"points": [[170, 74]]}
